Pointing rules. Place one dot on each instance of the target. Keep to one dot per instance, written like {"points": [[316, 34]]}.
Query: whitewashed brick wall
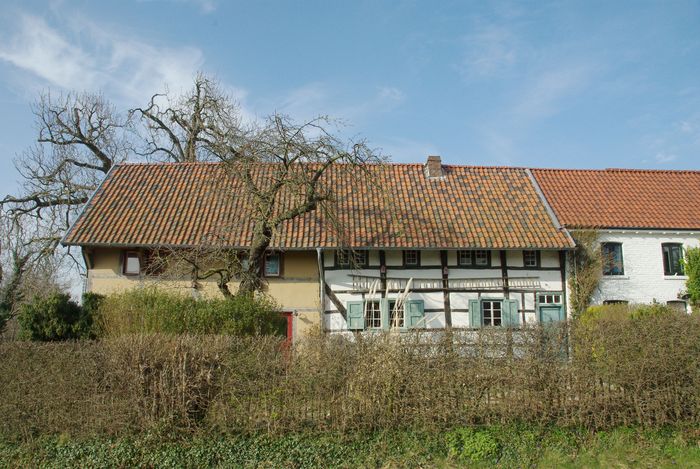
{"points": [[644, 280]]}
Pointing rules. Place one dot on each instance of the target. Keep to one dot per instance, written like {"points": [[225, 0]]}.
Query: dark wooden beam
{"points": [[446, 288], [334, 299], [504, 274]]}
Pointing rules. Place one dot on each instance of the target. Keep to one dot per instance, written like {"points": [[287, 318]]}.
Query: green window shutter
{"points": [[511, 318], [356, 315], [415, 314], [384, 307], [474, 314]]}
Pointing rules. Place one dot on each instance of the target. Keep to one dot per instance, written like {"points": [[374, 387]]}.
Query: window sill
{"points": [[616, 277], [675, 277]]}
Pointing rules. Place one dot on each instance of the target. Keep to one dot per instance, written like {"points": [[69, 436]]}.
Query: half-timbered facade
{"points": [[423, 246]]}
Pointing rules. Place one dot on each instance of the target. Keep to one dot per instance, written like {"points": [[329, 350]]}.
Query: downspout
{"points": [[321, 284]]}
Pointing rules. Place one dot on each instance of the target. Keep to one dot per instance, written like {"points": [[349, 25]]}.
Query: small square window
{"points": [[411, 258], [530, 259], [360, 258], [481, 257], [373, 315], [272, 264], [465, 258], [132, 263], [342, 258]]}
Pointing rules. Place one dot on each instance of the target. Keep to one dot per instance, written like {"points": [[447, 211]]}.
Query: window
{"points": [[491, 312], [272, 264], [549, 299], [531, 258], [482, 258], [360, 258], [464, 258], [132, 263], [349, 259], [678, 305], [411, 258], [342, 258], [396, 316], [243, 258], [673, 258], [373, 315], [612, 259]]}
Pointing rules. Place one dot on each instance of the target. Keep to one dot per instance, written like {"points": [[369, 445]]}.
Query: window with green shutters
{"points": [[382, 314], [493, 312]]}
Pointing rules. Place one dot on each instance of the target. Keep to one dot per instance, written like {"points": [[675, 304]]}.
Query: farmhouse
{"points": [[421, 246], [644, 220]]}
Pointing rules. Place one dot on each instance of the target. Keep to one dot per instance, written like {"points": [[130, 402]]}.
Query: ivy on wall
{"points": [[691, 265], [585, 270]]}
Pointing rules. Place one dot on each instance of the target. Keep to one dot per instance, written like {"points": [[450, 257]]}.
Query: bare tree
{"points": [[27, 263], [80, 137], [283, 167], [191, 127]]}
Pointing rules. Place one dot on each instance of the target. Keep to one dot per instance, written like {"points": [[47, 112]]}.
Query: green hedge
{"points": [[150, 310], [495, 446]]}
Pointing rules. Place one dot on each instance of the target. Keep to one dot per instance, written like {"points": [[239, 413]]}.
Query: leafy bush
{"points": [[54, 317], [150, 310], [471, 445], [691, 264]]}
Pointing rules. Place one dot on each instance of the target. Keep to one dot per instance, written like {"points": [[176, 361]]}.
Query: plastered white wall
{"points": [[644, 280]]}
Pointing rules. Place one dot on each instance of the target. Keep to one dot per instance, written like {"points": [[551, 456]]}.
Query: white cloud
{"points": [[314, 99], [83, 55], [488, 51], [542, 95], [663, 157], [205, 6]]}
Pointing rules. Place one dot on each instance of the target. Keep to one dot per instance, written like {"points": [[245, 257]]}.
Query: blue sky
{"points": [[545, 84]]}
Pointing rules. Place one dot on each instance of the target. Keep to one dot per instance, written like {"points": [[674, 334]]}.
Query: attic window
{"points": [[132, 263]]}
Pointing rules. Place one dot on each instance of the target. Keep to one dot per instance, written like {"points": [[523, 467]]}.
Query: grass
{"points": [[514, 447]]}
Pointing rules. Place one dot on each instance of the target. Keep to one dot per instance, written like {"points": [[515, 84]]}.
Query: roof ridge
{"points": [[617, 170]]}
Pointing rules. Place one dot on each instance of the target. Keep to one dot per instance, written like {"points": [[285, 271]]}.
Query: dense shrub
{"points": [[54, 317], [632, 371], [150, 310]]}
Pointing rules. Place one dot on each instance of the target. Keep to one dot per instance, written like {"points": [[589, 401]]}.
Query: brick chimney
{"points": [[433, 167]]}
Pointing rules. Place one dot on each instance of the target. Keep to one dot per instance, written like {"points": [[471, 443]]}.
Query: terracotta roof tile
{"points": [[623, 198], [183, 204]]}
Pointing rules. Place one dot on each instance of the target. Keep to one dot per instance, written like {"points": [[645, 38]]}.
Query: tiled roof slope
{"points": [[622, 198], [184, 204]]}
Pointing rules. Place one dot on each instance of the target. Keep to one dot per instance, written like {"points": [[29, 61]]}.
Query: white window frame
{"points": [[128, 269], [483, 262], [492, 310], [415, 261], [533, 260], [401, 323], [469, 257], [373, 314]]}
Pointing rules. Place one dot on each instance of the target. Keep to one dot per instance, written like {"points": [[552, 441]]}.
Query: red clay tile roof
{"points": [[622, 198], [179, 205]]}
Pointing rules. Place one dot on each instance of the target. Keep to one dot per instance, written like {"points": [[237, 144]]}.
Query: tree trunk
{"points": [[253, 276]]}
